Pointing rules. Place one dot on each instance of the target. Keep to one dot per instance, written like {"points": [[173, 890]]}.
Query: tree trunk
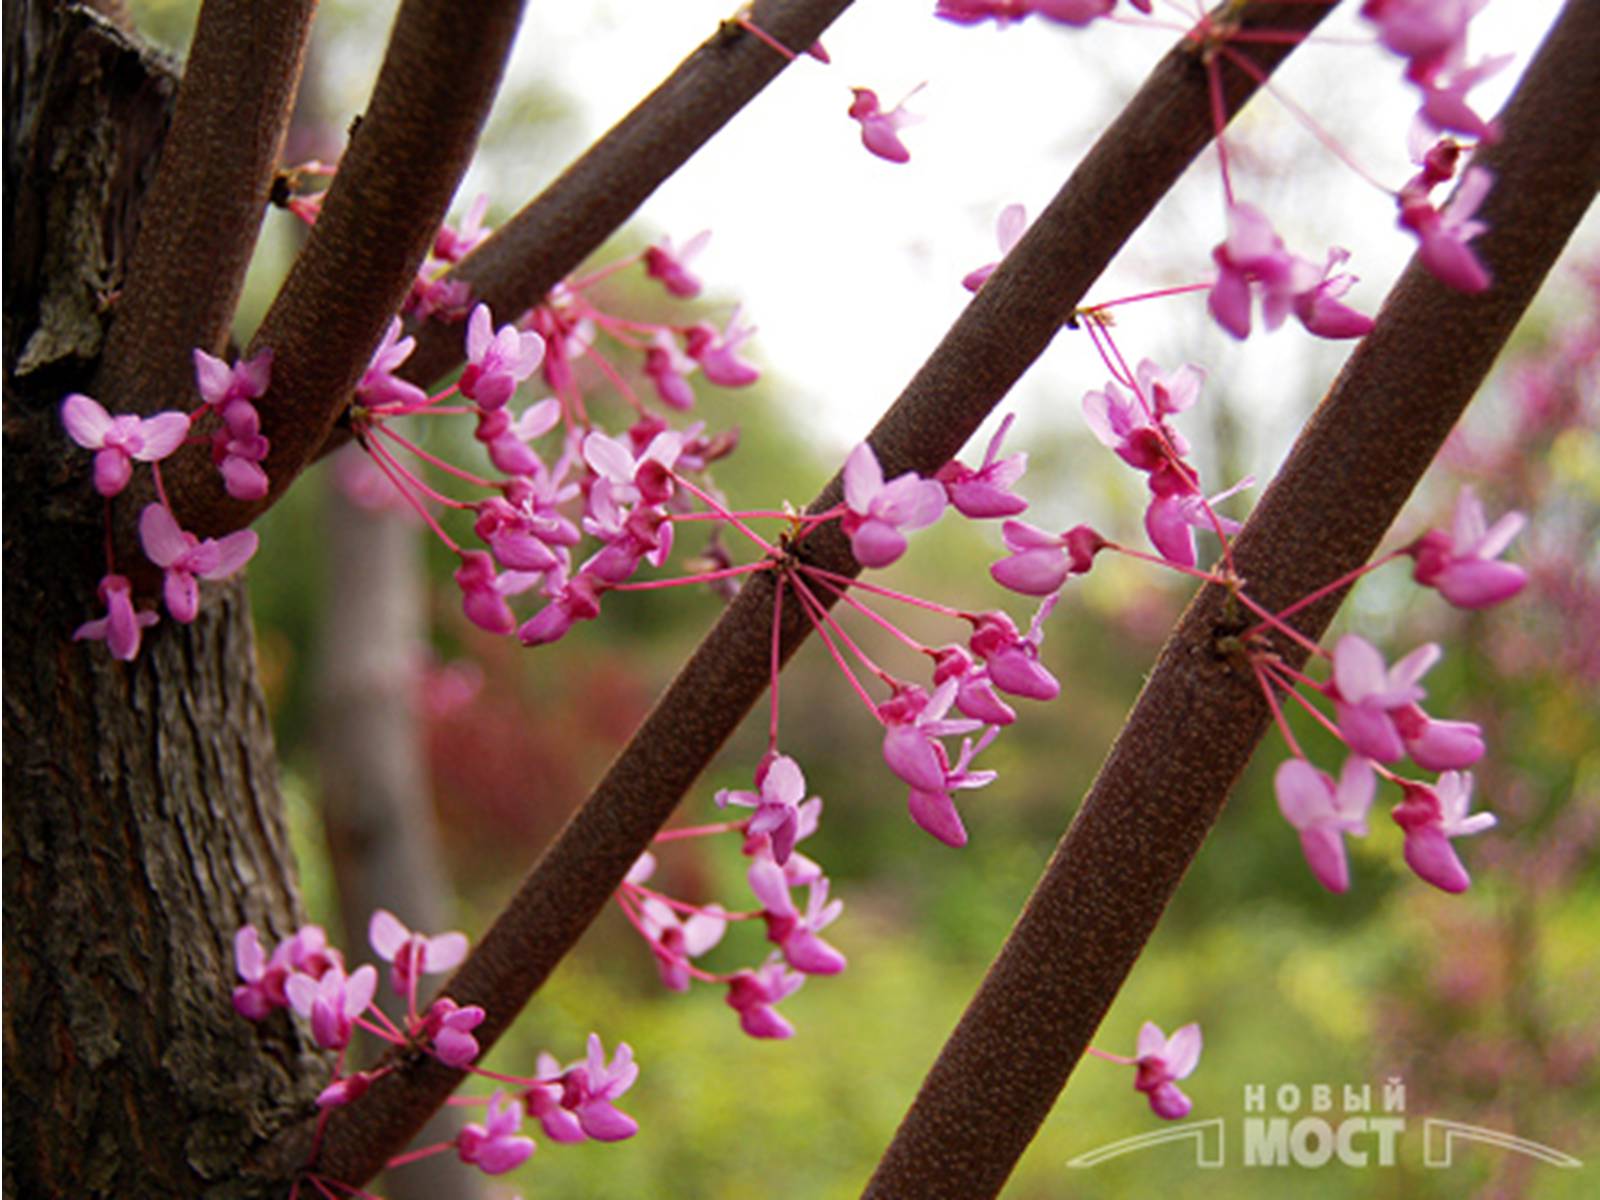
{"points": [[143, 822]]}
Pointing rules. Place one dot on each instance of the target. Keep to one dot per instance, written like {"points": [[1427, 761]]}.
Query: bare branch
{"points": [[205, 206], [1007, 325], [439, 76], [1200, 717]]}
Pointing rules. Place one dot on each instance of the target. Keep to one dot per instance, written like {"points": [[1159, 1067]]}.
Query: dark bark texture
{"points": [[142, 820]]}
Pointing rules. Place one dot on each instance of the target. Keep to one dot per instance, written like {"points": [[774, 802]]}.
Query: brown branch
{"points": [[1007, 325], [1200, 717], [205, 206], [546, 241], [439, 76]]}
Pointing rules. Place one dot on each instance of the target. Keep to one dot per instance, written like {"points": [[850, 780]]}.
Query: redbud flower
{"points": [[332, 1002], [1431, 816], [1427, 32], [238, 449], [793, 932], [1161, 1062], [588, 1089], [453, 245], [1445, 232], [1040, 562], [782, 789], [717, 353], [675, 940], [935, 811], [495, 1147], [1012, 659], [1003, 12], [306, 953], [1464, 563], [1438, 745], [1324, 813], [986, 492], [1365, 693], [481, 599], [668, 369], [913, 721], [879, 512], [576, 600], [222, 386], [670, 265], [450, 1026], [379, 384], [1318, 307], [184, 557], [1136, 426], [752, 995], [117, 441], [880, 131], [975, 694], [1444, 100], [121, 627], [497, 361], [343, 1091], [1172, 517], [1009, 229], [412, 954]]}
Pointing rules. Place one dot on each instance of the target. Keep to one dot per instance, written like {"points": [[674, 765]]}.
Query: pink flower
{"points": [[1318, 307], [185, 558], [238, 449], [1136, 426], [717, 353], [913, 722], [332, 1002], [878, 513], [576, 600], [675, 940], [1012, 659], [121, 627], [1445, 232], [986, 492], [752, 995], [1365, 693], [1438, 745], [412, 954], [880, 131], [379, 384], [495, 1146], [670, 265], [450, 1026], [306, 953], [1162, 1061], [497, 361], [1173, 516], [1040, 562], [1444, 100], [513, 537], [481, 598], [669, 369], [1431, 816], [1008, 232], [343, 1091], [589, 1088], [222, 386], [452, 245], [794, 932], [1426, 32], [781, 791], [1464, 563], [975, 694], [935, 811], [117, 441], [1323, 813]]}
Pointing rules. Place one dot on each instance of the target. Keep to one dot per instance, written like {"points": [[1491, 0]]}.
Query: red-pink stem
{"points": [[687, 580], [1277, 711], [434, 460], [694, 831], [1347, 578], [1180, 290], [886, 593]]}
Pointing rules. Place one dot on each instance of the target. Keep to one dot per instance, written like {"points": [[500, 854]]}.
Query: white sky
{"points": [[851, 265]]}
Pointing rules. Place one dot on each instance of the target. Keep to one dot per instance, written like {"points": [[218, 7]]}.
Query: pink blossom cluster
{"points": [[119, 441], [304, 973], [1379, 717]]}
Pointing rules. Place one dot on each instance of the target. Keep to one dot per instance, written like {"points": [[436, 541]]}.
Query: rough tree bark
{"points": [[143, 792]]}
